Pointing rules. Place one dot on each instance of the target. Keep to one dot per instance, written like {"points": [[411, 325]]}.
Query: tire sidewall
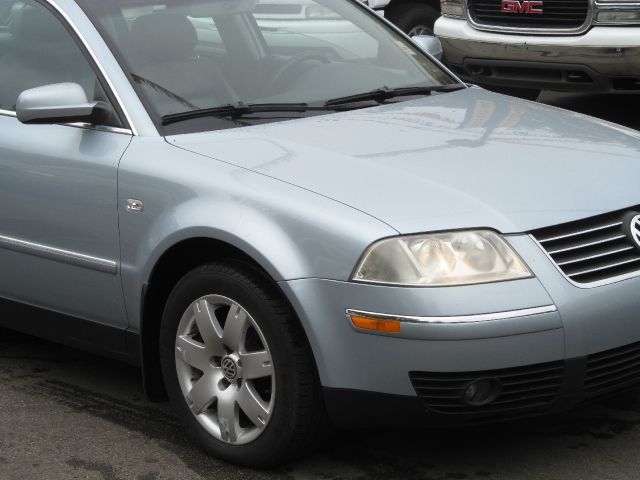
{"points": [[221, 281]]}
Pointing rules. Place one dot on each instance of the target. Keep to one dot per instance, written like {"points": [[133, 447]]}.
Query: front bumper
{"points": [[437, 355], [531, 390], [605, 59]]}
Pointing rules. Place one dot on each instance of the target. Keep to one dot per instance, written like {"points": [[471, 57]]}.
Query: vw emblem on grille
{"points": [[635, 230], [229, 368]]}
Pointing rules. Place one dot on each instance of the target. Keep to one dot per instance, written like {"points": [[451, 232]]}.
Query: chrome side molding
{"points": [[59, 255], [457, 319]]}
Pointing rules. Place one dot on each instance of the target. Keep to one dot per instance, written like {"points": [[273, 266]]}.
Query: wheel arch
{"points": [[170, 266]]}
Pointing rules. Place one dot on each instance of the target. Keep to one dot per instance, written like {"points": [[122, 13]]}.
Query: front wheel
{"points": [[238, 369]]}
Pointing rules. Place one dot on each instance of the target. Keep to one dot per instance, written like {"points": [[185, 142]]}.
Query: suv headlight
{"points": [[617, 12], [441, 259], [453, 8]]}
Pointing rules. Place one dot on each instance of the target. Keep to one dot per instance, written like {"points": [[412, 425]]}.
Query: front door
{"points": [[59, 247]]}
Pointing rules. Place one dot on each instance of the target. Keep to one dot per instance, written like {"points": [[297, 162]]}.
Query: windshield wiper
{"points": [[238, 110], [385, 93], [241, 109], [162, 90]]}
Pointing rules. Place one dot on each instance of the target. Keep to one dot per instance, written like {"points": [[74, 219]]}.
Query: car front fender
{"points": [[290, 232]]}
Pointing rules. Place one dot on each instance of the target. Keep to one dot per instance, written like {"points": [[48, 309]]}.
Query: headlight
{"points": [[618, 17], [453, 8], [441, 259], [617, 12]]}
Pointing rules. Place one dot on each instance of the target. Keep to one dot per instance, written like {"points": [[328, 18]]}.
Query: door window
{"points": [[37, 50]]}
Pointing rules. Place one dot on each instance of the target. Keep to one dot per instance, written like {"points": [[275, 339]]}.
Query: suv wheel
{"points": [[413, 18], [237, 367]]}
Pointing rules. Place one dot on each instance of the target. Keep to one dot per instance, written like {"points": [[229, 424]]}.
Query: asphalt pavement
{"points": [[66, 414]]}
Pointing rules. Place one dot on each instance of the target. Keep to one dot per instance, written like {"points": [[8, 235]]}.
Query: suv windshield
{"points": [[195, 55]]}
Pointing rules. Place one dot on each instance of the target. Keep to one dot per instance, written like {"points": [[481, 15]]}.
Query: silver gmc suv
{"points": [[567, 45]]}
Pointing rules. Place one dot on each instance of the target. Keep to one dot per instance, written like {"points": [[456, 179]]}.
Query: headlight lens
{"points": [[441, 259], [621, 17], [618, 12], [453, 8]]}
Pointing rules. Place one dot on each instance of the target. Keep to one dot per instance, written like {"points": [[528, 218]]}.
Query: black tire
{"points": [[526, 93], [298, 417], [409, 16]]}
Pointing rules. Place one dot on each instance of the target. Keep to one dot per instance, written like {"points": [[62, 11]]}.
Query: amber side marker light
{"points": [[376, 324]]}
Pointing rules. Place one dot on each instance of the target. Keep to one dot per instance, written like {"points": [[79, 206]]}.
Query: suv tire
{"points": [[413, 18]]}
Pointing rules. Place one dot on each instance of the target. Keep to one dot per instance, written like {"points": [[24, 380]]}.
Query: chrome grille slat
{"points": [[581, 232], [593, 257], [591, 244], [613, 265], [595, 250]]}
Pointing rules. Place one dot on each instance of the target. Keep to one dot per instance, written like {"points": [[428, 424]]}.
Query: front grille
{"points": [[612, 370], [557, 14], [592, 250], [525, 390]]}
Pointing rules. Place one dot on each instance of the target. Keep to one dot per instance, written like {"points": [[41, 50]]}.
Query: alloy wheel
{"points": [[225, 369]]}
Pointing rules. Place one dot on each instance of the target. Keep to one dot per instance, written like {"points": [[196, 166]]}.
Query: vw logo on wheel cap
{"points": [[635, 230], [229, 368]]}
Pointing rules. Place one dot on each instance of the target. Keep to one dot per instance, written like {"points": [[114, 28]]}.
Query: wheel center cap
{"points": [[229, 368]]}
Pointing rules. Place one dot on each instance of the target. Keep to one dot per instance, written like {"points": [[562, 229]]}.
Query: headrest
{"points": [[221, 7], [164, 36], [36, 25]]}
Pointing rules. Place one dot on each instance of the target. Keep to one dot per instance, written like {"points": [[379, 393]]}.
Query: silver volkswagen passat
{"points": [[289, 226]]}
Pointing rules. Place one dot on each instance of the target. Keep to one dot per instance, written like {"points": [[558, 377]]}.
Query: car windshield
{"points": [[195, 55]]}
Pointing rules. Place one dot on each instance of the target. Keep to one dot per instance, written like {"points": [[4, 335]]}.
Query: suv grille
{"points": [[560, 14], [525, 389], [592, 250], [612, 370]]}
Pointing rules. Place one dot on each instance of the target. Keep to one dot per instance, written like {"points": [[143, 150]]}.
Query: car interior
{"points": [[186, 62], [187, 56], [36, 50]]}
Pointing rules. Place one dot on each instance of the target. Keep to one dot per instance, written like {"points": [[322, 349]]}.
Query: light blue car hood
{"points": [[459, 160]]}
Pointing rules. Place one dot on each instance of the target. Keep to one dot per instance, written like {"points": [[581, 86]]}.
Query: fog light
{"points": [[482, 392]]}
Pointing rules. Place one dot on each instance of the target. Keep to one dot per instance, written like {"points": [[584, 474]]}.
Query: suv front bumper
{"points": [[604, 59]]}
